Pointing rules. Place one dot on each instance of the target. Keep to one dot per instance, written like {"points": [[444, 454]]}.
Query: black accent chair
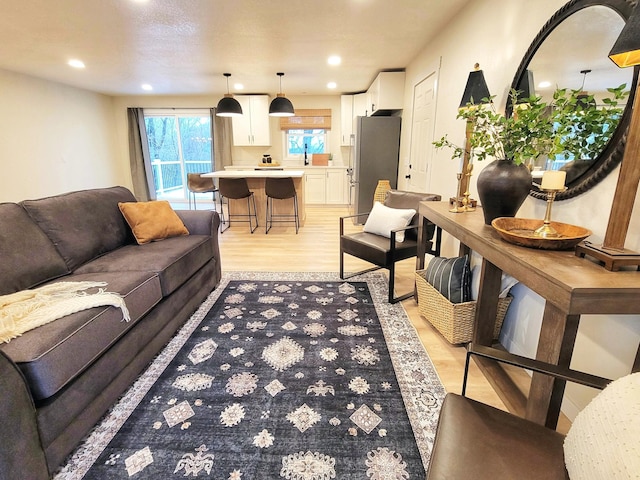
{"points": [[237, 189], [280, 189], [475, 440], [198, 184], [385, 252]]}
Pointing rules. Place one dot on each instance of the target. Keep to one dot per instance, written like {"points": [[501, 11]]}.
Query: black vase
{"points": [[502, 187]]}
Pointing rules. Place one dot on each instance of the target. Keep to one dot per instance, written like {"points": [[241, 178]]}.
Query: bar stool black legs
{"points": [[280, 189], [237, 189]]}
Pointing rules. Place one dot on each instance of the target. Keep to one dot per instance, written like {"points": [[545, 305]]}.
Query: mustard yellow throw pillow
{"points": [[152, 221]]}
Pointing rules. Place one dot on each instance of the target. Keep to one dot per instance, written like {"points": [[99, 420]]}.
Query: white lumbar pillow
{"points": [[383, 219], [604, 440]]}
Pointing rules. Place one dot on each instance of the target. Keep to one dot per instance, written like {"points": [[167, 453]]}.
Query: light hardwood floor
{"points": [[316, 249]]}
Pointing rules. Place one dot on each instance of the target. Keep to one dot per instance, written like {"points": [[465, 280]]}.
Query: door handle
{"points": [[407, 176]]}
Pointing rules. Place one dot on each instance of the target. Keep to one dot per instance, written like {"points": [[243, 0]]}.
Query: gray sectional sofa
{"points": [[58, 380]]}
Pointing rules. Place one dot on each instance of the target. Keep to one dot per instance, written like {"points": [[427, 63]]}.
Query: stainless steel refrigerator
{"points": [[373, 156]]}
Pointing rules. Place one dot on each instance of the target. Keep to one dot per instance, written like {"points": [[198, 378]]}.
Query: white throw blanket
{"points": [[25, 310]]}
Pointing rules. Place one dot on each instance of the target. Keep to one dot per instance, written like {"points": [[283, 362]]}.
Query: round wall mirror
{"points": [[571, 51]]}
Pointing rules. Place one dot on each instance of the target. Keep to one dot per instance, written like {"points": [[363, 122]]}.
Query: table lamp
{"points": [[625, 53], [476, 92]]}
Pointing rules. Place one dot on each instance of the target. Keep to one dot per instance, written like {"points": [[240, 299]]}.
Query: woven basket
{"points": [[380, 194], [453, 320]]}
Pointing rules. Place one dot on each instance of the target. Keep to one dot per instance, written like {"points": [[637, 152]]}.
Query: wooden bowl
{"points": [[520, 231]]}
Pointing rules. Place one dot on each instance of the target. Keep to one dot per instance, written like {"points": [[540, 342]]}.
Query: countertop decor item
{"points": [[521, 231]]}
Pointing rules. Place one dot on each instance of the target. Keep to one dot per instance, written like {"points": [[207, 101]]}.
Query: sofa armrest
{"points": [[200, 222], [21, 454]]}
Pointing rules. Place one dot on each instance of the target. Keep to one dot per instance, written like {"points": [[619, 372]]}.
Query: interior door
{"points": [[422, 133]]}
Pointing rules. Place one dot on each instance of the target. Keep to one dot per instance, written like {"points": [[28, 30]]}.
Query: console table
{"points": [[570, 285]]}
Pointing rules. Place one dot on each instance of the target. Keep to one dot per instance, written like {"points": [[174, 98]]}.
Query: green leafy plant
{"points": [[571, 124]]}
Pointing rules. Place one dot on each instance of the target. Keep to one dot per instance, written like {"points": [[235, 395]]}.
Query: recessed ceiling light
{"points": [[331, 85], [544, 84], [334, 60], [147, 87], [75, 63], [238, 86]]}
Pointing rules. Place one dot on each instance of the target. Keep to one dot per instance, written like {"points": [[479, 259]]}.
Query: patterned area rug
{"points": [[277, 375]]}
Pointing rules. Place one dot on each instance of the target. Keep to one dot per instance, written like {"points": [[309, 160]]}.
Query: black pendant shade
{"points": [[626, 50], [228, 106], [281, 106], [476, 90]]}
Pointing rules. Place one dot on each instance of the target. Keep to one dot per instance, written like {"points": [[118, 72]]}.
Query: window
{"points": [[300, 142], [179, 143], [306, 132]]}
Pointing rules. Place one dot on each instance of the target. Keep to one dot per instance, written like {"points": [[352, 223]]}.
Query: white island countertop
{"points": [[262, 173]]}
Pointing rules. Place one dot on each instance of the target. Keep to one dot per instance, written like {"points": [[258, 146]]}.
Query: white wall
{"points": [[54, 138], [496, 34]]}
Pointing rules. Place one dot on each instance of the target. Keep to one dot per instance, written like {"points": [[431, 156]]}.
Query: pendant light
{"points": [[228, 106], [281, 106]]}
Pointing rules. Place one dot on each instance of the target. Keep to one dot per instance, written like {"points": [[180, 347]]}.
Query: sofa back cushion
{"points": [[83, 225], [28, 256]]}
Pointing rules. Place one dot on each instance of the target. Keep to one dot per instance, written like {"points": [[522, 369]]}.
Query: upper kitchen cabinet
{"points": [[386, 93], [351, 106], [252, 128]]}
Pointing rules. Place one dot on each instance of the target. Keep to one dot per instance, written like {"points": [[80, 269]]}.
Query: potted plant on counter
{"points": [[570, 125]]}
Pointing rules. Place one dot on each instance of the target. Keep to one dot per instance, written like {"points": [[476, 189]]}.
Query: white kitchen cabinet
{"points": [[315, 186], [337, 187], [351, 107], [386, 93], [252, 128], [346, 118], [326, 186]]}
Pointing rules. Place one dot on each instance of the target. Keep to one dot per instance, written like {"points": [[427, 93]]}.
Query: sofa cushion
{"points": [[382, 220], [174, 260], [52, 355], [404, 199], [28, 256], [83, 225], [152, 221]]}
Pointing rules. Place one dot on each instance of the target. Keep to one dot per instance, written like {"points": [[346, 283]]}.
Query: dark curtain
{"points": [[139, 157]]}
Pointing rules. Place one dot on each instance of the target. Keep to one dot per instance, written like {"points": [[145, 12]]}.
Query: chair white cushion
{"points": [[604, 440], [383, 219]]}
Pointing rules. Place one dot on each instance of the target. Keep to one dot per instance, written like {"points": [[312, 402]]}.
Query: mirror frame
{"points": [[612, 155]]}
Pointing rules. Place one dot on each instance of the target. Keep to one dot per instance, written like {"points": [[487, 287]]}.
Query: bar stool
{"points": [[237, 189], [280, 189], [198, 184]]}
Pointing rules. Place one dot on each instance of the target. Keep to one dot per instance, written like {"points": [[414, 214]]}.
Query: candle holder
{"points": [[467, 204], [456, 207], [546, 230]]}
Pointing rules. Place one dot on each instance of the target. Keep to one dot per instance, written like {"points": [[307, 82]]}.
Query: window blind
{"points": [[307, 119]]}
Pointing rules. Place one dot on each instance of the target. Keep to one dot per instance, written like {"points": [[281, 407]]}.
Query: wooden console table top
{"points": [[570, 285]]}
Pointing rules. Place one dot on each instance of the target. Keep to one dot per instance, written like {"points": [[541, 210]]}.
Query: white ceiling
{"points": [[184, 46]]}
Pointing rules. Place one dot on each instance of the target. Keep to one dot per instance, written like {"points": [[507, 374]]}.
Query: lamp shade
{"points": [[281, 106], [228, 107], [476, 91], [626, 50]]}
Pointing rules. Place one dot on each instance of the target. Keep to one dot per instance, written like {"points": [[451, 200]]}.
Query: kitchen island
{"points": [[256, 181]]}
